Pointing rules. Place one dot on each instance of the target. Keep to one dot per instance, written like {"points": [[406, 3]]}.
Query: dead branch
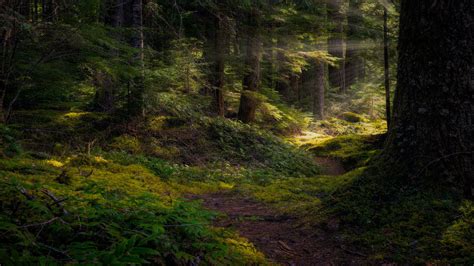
{"points": [[56, 200]]}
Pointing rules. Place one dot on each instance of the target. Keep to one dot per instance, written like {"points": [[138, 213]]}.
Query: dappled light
{"points": [[224, 132]]}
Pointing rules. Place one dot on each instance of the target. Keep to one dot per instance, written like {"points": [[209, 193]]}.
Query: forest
{"points": [[237, 132]]}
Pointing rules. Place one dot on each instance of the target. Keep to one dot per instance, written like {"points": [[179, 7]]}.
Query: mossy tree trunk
{"points": [[431, 138], [251, 81]]}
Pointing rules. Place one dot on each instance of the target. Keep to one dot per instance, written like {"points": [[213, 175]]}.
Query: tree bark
{"points": [[136, 99], [318, 90], [353, 62], [386, 67], [218, 65], [251, 81], [282, 84], [336, 44], [432, 130]]}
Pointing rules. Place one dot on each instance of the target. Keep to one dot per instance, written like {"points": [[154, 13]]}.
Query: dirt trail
{"points": [[330, 166], [283, 239]]}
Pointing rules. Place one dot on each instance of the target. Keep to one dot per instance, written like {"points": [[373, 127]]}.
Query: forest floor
{"points": [[282, 238]]}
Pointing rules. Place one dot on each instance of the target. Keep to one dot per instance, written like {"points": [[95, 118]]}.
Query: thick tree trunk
{"points": [[386, 67], [432, 131], [318, 90], [251, 82], [336, 44]]}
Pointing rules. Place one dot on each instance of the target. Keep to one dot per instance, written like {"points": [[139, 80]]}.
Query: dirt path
{"points": [[330, 166], [282, 239]]}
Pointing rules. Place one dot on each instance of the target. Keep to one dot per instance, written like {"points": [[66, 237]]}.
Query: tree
{"points": [[251, 81], [318, 89], [136, 100], [431, 136], [386, 66], [336, 44], [353, 60], [218, 64]]}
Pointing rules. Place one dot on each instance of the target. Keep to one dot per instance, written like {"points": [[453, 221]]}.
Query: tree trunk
{"points": [[283, 74], [318, 90], [386, 67], [432, 130], [136, 102], [251, 82], [353, 58], [118, 13], [295, 88], [336, 44], [218, 65]]}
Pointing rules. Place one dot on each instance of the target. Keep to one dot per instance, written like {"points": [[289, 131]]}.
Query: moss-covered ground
{"points": [[110, 195]]}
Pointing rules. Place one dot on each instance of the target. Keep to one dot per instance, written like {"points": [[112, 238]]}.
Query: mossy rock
{"points": [[352, 117]]}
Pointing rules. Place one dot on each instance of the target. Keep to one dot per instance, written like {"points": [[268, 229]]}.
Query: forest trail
{"points": [[283, 239], [330, 166]]}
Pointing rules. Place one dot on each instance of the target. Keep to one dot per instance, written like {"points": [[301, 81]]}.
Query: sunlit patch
{"points": [[54, 163]]}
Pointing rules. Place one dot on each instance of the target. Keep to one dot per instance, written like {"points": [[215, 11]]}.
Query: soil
{"points": [[330, 166], [284, 239]]}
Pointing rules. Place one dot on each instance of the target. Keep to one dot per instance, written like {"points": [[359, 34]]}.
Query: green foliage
{"points": [[117, 214], [8, 143], [126, 143], [248, 143]]}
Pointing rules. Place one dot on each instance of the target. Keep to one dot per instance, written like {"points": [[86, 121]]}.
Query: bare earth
{"points": [[283, 239]]}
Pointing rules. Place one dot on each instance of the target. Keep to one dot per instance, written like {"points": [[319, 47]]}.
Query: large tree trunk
{"points": [[432, 131], [353, 62], [251, 82], [336, 44], [318, 90]]}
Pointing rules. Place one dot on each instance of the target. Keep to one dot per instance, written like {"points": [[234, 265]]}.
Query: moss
{"points": [[353, 150], [404, 224], [121, 212], [352, 117], [126, 143]]}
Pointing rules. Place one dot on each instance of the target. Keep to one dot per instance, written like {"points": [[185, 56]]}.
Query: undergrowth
{"points": [[92, 210]]}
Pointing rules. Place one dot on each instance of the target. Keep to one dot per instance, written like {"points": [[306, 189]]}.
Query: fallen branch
{"points": [[25, 193], [44, 223], [56, 200]]}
